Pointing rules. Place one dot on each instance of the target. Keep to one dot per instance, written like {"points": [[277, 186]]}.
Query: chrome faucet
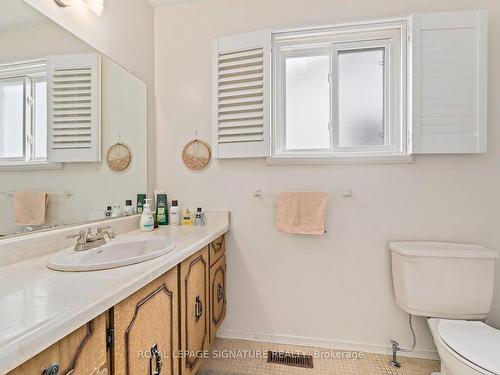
{"points": [[85, 240]]}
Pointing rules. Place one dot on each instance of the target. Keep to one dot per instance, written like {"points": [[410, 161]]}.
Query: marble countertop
{"points": [[39, 306]]}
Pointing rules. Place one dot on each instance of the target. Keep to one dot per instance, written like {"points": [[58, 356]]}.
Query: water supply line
{"points": [[396, 348]]}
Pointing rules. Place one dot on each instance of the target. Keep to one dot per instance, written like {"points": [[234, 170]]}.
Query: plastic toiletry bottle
{"points": [[128, 209], [140, 202], [161, 208], [187, 219], [117, 210], [199, 217], [147, 220], [108, 211], [174, 216]]}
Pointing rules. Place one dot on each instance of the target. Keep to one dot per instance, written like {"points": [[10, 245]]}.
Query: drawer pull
{"points": [[156, 361], [217, 245], [53, 369], [220, 292], [198, 308]]}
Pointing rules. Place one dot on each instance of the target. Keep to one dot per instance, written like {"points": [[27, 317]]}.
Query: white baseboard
{"points": [[322, 343]]}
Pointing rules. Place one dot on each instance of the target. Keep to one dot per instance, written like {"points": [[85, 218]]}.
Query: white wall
{"points": [[124, 33], [337, 287], [123, 112]]}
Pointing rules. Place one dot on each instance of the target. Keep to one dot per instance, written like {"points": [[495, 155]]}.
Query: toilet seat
{"points": [[474, 342]]}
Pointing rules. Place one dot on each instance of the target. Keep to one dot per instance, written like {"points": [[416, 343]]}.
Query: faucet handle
{"points": [[108, 230], [81, 234]]}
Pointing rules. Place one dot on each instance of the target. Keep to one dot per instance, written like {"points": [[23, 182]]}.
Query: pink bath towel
{"points": [[30, 207], [301, 212]]}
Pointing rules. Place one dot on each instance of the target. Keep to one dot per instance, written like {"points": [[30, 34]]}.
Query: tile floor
{"points": [[324, 364]]}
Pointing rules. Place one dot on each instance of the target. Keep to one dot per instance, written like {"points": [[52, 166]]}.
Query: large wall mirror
{"points": [[63, 105]]}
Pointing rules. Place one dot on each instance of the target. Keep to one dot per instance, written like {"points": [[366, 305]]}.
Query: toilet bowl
{"points": [[452, 285], [466, 347]]}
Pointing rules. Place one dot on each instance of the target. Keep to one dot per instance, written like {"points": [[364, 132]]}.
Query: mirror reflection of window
{"points": [[23, 113], [11, 118]]}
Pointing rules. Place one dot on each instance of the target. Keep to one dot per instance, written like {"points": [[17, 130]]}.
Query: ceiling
{"points": [[17, 13], [159, 3]]}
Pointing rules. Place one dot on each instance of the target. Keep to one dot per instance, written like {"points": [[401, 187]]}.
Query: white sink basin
{"points": [[118, 252]]}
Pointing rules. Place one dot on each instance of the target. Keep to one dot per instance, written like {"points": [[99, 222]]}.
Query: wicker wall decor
{"points": [[196, 154], [119, 157]]}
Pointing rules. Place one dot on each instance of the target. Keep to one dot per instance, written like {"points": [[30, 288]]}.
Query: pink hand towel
{"points": [[30, 207], [301, 212]]}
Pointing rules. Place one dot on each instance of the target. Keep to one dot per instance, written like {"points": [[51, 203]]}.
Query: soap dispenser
{"points": [[147, 220]]}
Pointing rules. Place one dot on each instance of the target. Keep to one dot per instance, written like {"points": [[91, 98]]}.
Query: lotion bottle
{"points": [[147, 220], [174, 214]]}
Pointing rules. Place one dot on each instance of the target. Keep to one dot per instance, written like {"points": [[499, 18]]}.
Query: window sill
{"points": [[31, 166], [338, 160]]}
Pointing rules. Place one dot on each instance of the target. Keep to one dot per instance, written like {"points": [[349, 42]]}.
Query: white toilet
{"points": [[452, 285]]}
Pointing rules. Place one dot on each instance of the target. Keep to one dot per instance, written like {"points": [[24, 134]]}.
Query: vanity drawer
{"points": [[217, 249], [82, 352]]}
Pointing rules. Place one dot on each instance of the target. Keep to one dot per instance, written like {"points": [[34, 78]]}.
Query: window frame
{"points": [[280, 99], [392, 35], [29, 72], [24, 80]]}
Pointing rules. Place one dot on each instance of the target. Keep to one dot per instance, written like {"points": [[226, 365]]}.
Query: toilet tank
{"points": [[443, 280]]}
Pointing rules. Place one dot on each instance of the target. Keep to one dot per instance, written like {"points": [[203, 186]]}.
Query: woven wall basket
{"points": [[119, 157], [196, 155]]}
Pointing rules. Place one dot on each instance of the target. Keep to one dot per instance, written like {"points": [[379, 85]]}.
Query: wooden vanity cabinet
{"points": [[82, 352], [217, 295], [146, 326], [194, 284], [162, 329]]}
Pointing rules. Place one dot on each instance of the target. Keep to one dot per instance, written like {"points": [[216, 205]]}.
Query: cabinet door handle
{"points": [[220, 292], [217, 245], [198, 308], [53, 369], [156, 361]]}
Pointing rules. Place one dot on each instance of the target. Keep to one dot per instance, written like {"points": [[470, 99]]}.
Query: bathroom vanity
{"points": [[154, 317]]}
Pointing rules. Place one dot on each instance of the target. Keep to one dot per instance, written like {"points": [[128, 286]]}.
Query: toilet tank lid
{"points": [[441, 250]]}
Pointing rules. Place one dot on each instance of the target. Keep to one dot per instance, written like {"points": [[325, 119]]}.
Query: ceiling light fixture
{"points": [[63, 3], [96, 6]]}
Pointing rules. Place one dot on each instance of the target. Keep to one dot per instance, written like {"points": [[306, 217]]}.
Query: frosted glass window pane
{"points": [[11, 119], [40, 120], [307, 102], [361, 98]]}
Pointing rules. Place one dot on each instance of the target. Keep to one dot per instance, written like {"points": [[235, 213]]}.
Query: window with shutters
{"points": [[23, 113], [340, 92]]}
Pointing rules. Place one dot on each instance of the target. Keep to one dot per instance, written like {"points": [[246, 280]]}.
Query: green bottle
{"points": [[140, 202], [162, 209]]}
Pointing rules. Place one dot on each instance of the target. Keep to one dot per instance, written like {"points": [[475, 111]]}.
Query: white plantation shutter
{"points": [[449, 82], [241, 96], [74, 119]]}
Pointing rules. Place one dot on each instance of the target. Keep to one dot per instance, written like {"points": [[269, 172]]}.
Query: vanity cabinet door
{"points": [[194, 310], [217, 296], [82, 352], [217, 249], [146, 329]]}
